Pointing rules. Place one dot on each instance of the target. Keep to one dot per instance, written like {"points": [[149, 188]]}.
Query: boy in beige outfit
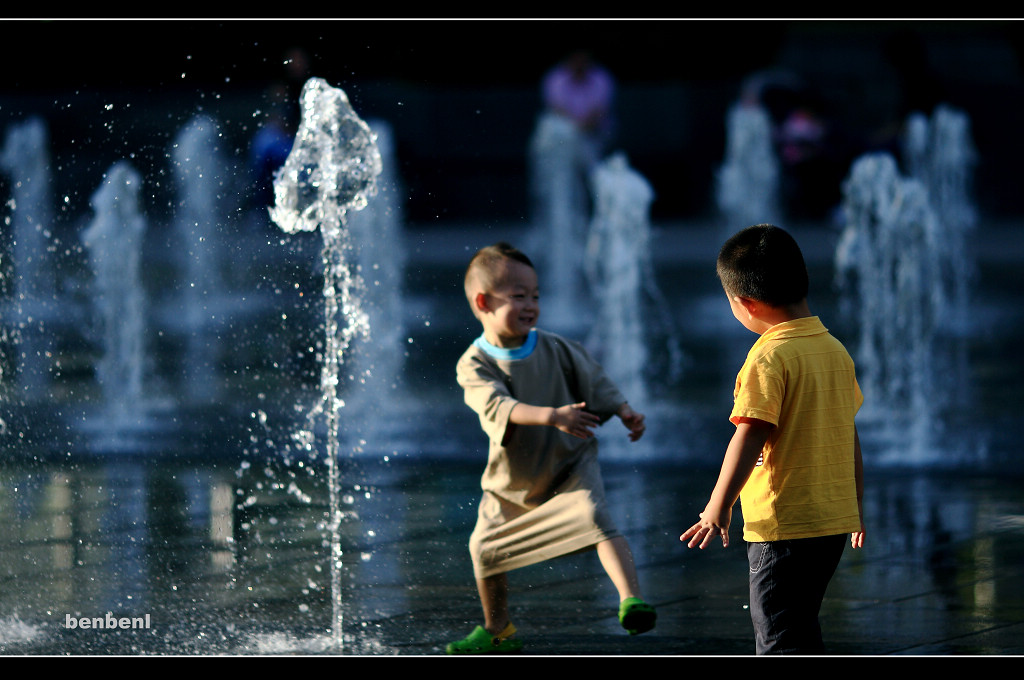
{"points": [[539, 397]]}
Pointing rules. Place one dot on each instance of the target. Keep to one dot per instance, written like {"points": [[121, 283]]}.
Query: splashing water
{"points": [[13, 631], [332, 168]]}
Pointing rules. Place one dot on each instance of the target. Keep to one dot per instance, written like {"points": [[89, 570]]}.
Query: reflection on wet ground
{"points": [[218, 563]]}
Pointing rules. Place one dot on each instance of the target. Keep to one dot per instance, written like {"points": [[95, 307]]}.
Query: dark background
{"points": [[463, 95]]}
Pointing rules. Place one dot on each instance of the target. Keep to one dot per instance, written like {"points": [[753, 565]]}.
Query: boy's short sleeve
{"points": [[595, 387], [486, 393], [758, 394]]}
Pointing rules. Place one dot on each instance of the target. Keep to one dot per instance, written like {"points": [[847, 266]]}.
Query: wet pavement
{"points": [[941, 573]]}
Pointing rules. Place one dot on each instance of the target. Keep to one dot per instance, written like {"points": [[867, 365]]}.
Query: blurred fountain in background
{"points": [[631, 313], [29, 298], [560, 209], [114, 243], [202, 179], [332, 169], [377, 236], [891, 273], [747, 183], [617, 264], [940, 153], [904, 266]]}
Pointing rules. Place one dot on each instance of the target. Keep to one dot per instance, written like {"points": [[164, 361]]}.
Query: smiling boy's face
{"points": [[509, 312]]}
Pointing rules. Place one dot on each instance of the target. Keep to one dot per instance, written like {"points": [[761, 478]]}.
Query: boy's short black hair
{"points": [[483, 268], [501, 249], [763, 263]]}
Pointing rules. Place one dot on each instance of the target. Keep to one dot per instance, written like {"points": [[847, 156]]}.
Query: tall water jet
{"points": [[747, 183], [201, 174], [560, 209], [114, 242], [631, 312], [332, 169], [25, 159], [889, 269]]}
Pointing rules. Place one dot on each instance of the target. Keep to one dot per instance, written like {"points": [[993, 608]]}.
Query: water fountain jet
{"points": [[891, 273], [25, 159], [332, 169], [201, 175], [560, 210], [114, 243], [747, 183]]}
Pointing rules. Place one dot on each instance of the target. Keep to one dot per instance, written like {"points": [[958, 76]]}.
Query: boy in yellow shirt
{"points": [[794, 461]]}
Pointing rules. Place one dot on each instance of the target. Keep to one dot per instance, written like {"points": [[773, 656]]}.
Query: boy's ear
{"points": [[748, 305], [480, 301]]}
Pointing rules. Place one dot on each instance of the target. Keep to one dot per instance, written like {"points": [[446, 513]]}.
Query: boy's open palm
{"points": [[572, 419], [707, 529]]}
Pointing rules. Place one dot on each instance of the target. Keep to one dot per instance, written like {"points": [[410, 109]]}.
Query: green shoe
{"points": [[636, 616], [482, 642]]}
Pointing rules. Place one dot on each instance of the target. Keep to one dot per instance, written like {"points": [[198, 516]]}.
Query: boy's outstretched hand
{"points": [[573, 419], [706, 530], [633, 421]]}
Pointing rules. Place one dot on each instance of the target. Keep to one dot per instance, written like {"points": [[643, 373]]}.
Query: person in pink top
{"points": [[583, 91]]}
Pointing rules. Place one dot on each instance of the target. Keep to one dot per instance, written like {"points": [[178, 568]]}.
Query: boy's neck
{"points": [[504, 343], [800, 310], [768, 316]]}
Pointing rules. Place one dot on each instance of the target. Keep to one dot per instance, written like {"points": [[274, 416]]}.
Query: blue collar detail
{"points": [[507, 354]]}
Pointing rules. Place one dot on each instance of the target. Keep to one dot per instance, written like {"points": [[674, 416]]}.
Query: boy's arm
{"points": [[857, 538], [571, 418], [744, 449]]}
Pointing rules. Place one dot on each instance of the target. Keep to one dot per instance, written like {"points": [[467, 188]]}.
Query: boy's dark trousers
{"points": [[787, 584]]}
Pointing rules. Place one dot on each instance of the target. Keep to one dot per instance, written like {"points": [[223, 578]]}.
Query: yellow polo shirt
{"points": [[802, 380]]}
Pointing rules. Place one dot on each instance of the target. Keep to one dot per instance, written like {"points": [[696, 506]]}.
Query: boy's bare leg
{"points": [[617, 560], [494, 598]]}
